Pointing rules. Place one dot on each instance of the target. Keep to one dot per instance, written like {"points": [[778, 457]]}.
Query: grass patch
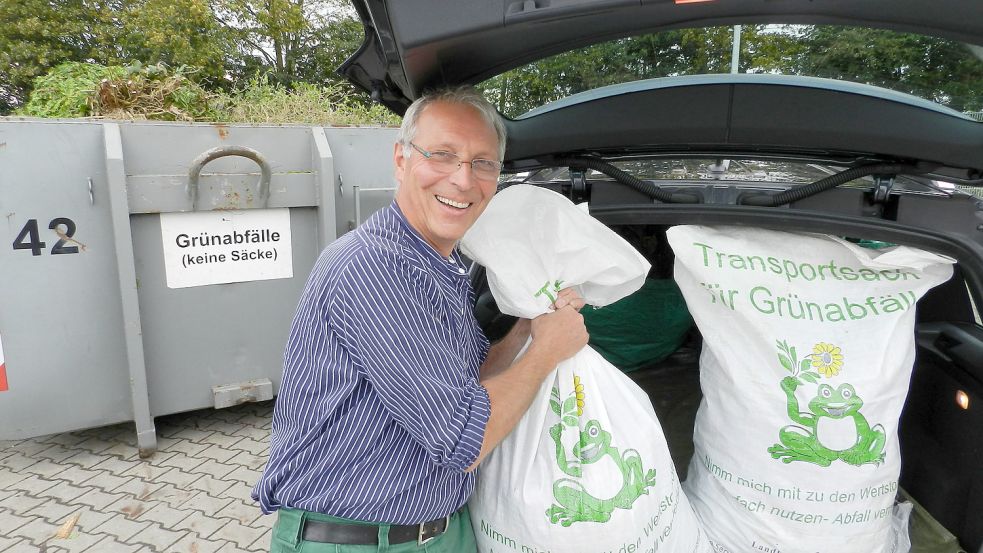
{"points": [[263, 102]]}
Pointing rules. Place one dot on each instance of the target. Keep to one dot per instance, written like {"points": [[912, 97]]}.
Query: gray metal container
{"points": [[91, 331]]}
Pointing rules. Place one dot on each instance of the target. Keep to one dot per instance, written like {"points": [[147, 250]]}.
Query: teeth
{"points": [[451, 203]]}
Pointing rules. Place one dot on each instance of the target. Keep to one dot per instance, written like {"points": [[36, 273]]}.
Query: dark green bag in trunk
{"points": [[641, 329]]}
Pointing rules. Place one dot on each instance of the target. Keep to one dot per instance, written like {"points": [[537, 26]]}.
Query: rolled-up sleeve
{"points": [[403, 338]]}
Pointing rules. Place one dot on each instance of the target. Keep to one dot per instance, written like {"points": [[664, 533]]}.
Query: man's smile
{"points": [[452, 203]]}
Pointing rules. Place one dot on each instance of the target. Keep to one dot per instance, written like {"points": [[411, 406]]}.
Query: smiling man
{"points": [[391, 395]]}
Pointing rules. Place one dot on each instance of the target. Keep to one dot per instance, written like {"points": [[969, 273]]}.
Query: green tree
{"points": [[222, 44], [176, 33], [944, 71], [666, 54], [290, 39], [770, 49], [36, 35], [335, 43]]}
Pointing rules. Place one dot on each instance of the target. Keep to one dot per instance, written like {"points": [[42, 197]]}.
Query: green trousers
{"points": [[459, 537]]}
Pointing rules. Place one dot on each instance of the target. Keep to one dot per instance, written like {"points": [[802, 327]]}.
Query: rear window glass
{"points": [[946, 72]]}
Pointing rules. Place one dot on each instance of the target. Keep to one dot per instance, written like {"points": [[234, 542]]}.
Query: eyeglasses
{"points": [[447, 162]]}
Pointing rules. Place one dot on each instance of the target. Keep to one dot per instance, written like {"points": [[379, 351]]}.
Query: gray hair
{"points": [[466, 95]]}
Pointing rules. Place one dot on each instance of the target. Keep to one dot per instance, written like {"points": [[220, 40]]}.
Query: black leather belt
{"points": [[362, 534]]}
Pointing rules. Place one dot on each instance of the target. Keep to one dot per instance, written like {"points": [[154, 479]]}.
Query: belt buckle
{"points": [[420, 540]]}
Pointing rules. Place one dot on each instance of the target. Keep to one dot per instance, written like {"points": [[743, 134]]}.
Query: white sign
{"points": [[216, 247]]}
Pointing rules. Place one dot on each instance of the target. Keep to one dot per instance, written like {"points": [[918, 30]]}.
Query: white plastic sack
{"points": [[807, 354], [587, 469]]}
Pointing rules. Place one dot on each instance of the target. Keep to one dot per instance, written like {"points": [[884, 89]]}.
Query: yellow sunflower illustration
{"points": [[579, 389], [827, 359]]}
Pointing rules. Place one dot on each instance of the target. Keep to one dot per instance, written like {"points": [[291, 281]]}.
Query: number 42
{"points": [[30, 239]]}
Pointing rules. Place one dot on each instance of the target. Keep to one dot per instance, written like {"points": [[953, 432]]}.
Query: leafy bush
{"points": [[76, 89], [68, 90], [160, 93]]}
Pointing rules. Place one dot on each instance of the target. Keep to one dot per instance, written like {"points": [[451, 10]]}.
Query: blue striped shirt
{"points": [[380, 410]]}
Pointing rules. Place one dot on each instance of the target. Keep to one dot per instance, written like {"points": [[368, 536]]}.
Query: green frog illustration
{"points": [[573, 502], [831, 406]]}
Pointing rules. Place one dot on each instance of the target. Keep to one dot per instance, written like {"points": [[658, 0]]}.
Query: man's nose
{"points": [[463, 178]]}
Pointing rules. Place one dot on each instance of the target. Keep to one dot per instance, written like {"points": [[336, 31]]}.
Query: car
{"points": [[855, 119]]}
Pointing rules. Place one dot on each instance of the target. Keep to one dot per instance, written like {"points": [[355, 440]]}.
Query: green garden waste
{"points": [[641, 329]]}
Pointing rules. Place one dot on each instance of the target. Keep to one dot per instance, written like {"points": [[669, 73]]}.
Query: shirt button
{"points": [[461, 270]]}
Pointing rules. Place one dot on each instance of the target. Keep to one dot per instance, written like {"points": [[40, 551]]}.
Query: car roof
{"points": [[413, 46]]}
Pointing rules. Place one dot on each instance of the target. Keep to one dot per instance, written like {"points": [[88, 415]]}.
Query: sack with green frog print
{"points": [[808, 346], [587, 469]]}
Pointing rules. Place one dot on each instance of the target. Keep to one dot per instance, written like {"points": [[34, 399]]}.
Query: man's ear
{"points": [[399, 161]]}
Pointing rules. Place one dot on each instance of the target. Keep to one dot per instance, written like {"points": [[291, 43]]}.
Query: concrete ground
{"points": [[89, 490]]}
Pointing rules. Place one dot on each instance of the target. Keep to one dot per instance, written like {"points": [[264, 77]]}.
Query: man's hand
{"points": [[562, 333], [559, 335], [503, 352], [568, 296]]}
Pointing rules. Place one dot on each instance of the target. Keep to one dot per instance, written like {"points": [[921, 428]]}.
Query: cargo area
{"points": [[940, 437]]}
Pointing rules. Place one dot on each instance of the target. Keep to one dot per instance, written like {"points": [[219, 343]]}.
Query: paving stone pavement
{"points": [[191, 496]]}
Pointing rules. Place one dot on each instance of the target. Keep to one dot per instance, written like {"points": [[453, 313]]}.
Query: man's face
{"points": [[426, 195]]}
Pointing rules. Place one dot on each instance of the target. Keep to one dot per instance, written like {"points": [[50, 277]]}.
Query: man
{"points": [[391, 396]]}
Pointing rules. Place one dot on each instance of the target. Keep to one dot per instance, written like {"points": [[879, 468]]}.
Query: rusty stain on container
{"points": [[232, 201], [69, 239], [223, 130], [248, 394]]}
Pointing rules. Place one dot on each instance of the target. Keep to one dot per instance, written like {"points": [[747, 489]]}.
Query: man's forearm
{"points": [[503, 352], [556, 336], [511, 391]]}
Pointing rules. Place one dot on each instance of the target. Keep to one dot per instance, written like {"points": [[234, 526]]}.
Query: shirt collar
{"points": [[453, 266]]}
